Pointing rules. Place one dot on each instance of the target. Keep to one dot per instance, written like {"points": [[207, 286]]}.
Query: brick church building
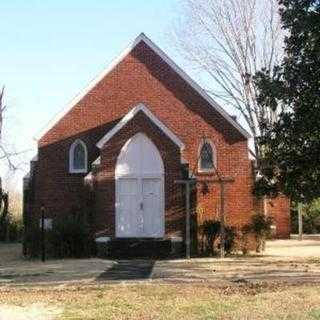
{"points": [[136, 130]]}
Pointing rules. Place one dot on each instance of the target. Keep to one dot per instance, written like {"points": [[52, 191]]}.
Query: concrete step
{"points": [[135, 248], [305, 236]]}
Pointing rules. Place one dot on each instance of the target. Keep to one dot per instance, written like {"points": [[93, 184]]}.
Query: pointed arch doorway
{"points": [[139, 175]]}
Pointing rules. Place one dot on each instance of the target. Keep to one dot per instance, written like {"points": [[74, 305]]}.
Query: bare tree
{"points": [[8, 157], [15, 199], [229, 41], [5, 153]]}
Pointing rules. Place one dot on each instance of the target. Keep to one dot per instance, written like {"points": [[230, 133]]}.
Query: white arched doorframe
{"points": [[139, 179]]}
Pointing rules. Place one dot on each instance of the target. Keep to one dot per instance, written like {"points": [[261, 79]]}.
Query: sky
{"points": [[50, 50]]}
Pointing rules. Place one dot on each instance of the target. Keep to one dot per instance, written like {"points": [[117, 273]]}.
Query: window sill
{"points": [[78, 171], [206, 172]]}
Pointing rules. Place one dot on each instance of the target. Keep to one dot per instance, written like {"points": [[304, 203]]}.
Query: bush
{"points": [[11, 228], [70, 237], [32, 239], [260, 227], [15, 226], [230, 237], [211, 233], [244, 238]]}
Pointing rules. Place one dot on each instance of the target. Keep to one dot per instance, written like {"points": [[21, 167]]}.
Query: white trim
{"points": [[194, 85], [130, 115], [139, 177], [88, 177], [87, 89], [176, 239], [214, 155], [169, 61], [96, 162], [71, 158], [27, 176], [183, 160], [26, 180], [102, 239]]}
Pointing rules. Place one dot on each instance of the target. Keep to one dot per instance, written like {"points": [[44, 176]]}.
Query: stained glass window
{"points": [[206, 157]]}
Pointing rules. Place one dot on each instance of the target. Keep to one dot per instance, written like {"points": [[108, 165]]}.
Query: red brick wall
{"points": [[238, 196], [279, 209], [54, 186], [143, 77]]}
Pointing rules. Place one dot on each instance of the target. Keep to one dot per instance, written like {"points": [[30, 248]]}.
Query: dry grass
{"points": [[278, 285], [168, 301], [278, 266]]}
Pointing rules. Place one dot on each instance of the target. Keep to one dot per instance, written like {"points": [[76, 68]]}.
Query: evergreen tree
{"points": [[291, 146]]}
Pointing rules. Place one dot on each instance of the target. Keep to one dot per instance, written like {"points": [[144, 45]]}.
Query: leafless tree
{"points": [[5, 154], [229, 41], [15, 199]]}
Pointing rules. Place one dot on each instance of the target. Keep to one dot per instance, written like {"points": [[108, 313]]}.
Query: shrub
{"points": [[211, 232], [70, 237], [32, 239], [230, 237], [4, 215], [260, 227], [15, 227], [11, 228], [244, 238]]}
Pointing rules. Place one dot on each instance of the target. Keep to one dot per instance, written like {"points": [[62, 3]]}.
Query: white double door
{"points": [[140, 207]]}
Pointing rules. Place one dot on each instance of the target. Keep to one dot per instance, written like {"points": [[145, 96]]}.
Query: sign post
{"points": [[43, 244], [187, 183]]}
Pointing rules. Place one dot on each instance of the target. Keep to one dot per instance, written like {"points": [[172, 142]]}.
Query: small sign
{"points": [[47, 223]]}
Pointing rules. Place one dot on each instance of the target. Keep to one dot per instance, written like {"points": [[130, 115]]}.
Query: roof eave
{"points": [[117, 60]]}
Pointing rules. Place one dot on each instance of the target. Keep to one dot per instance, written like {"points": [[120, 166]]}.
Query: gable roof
{"points": [[164, 57], [130, 115]]}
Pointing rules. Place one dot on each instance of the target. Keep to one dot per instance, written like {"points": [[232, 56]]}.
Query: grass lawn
{"points": [[282, 284], [162, 301]]}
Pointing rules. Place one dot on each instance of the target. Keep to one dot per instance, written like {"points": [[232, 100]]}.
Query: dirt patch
{"points": [[287, 261], [150, 300], [288, 249], [33, 311], [281, 284]]}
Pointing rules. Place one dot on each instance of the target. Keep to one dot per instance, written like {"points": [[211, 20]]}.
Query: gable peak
{"points": [[142, 38]]}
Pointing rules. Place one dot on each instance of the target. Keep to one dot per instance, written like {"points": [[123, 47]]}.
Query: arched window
{"points": [[207, 157], [78, 157]]}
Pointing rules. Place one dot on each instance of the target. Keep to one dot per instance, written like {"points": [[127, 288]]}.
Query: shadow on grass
{"points": [[128, 270]]}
